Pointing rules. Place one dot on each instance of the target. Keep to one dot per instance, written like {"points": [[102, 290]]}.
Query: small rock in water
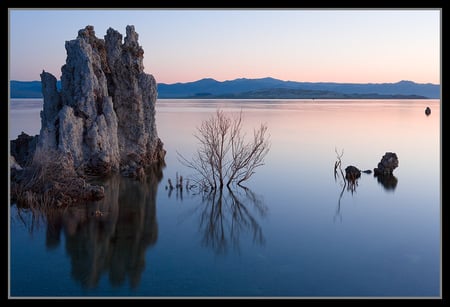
{"points": [[387, 164], [352, 173]]}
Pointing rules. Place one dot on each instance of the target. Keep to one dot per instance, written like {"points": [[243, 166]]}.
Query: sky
{"points": [[185, 45]]}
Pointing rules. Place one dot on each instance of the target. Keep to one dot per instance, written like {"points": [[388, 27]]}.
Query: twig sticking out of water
{"points": [[338, 164]]}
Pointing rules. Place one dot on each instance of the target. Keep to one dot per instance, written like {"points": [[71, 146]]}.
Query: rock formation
{"points": [[103, 118], [387, 164]]}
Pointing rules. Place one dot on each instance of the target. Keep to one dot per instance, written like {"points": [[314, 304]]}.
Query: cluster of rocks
{"points": [[385, 168], [103, 118]]}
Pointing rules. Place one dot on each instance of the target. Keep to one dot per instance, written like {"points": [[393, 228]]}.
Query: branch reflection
{"points": [[228, 214], [350, 185]]}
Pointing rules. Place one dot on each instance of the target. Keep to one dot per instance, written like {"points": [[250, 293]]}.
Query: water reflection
{"points": [[350, 185], [108, 236], [389, 182], [349, 181], [225, 215], [179, 187]]}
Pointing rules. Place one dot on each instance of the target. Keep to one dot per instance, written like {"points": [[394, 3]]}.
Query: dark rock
{"points": [[428, 111], [387, 164], [23, 148], [352, 173]]}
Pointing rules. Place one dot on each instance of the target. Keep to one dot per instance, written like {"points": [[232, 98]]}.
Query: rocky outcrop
{"points": [[386, 166], [103, 118], [104, 115]]}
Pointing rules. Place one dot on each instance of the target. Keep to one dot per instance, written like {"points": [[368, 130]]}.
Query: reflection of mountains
{"points": [[227, 214], [110, 236]]}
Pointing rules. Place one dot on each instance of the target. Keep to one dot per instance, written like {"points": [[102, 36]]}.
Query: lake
{"points": [[296, 232]]}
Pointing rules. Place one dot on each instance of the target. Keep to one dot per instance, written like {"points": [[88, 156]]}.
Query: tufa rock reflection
{"points": [[109, 236]]}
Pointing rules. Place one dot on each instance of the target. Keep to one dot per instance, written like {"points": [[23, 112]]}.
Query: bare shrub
{"points": [[224, 157]]}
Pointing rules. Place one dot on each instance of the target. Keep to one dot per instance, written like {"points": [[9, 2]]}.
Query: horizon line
{"points": [[244, 78]]}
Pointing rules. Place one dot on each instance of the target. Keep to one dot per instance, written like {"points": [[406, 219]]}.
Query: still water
{"points": [[296, 231]]}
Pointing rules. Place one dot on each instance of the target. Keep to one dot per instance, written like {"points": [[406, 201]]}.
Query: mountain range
{"points": [[268, 88]]}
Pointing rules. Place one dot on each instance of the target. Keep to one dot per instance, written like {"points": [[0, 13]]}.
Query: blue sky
{"points": [[356, 46]]}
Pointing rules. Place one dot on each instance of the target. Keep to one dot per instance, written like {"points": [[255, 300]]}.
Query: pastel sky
{"points": [[352, 46]]}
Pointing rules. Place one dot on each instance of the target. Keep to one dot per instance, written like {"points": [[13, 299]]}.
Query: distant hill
{"points": [[285, 93], [27, 89], [268, 88], [240, 88]]}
